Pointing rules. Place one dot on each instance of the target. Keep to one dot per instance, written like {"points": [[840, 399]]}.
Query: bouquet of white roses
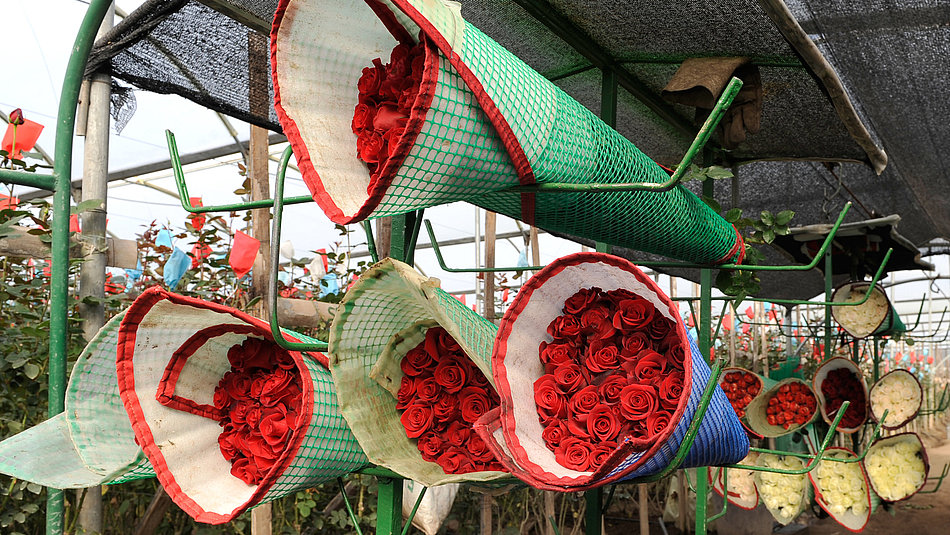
{"points": [[841, 489], [897, 466], [784, 495], [861, 320], [737, 484], [900, 394]]}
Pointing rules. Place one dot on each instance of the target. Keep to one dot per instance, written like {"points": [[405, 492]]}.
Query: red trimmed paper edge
{"points": [[529, 471], [820, 396], [125, 370]]}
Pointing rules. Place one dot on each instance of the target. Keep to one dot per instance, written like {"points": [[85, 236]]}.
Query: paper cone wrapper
{"points": [[850, 519], [482, 122], [820, 376], [384, 315], [172, 353], [879, 467]]}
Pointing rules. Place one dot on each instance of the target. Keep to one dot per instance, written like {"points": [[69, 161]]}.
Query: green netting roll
{"points": [[483, 121], [172, 352], [384, 315], [91, 442]]}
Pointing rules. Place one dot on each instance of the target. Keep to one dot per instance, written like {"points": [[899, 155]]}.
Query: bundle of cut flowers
{"points": [[784, 495], [614, 369], [897, 466], [440, 396], [741, 386], [839, 380], [842, 489], [900, 394], [738, 483]]}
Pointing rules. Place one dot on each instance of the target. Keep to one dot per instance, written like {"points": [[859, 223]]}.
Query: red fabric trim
{"points": [[737, 248], [166, 387], [534, 473], [125, 353], [820, 499]]}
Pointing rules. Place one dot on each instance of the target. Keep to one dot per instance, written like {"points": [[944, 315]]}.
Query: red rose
{"points": [[637, 401], [557, 353], [576, 303], [416, 362], [457, 434], [439, 343], [275, 387], [477, 378], [239, 412], [399, 61], [274, 425], [253, 416], [417, 419], [564, 327], [226, 445], [430, 444], [428, 390], [418, 62], [602, 424], [257, 446], [569, 378], [600, 453], [447, 408], [407, 98], [221, 398], [596, 322], [368, 83], [246, 471], [251, 354], [671, 389], [391, 140], [675, 353], [604, 359], [406, 392], [455, 460], [577, 425], [264, 464], [474, 403], [554, 433], [584, 400], [450, 375], [621, 294], [657, 422], [660, 327], [650, 365], [238, 384], [16, 117], [479, 450], [370, 147], [389, 117], [574, 453], [284, 359], [548, 397], [362, 118], [635, 343], [611, 387], [633, 314]]}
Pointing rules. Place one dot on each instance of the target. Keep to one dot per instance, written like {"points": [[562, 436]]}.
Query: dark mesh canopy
{"points": [[890, 58]]}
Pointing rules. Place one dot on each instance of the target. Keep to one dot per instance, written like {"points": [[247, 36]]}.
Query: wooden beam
{"points": [[298, 313], [490, 223], [21, 244], [243, 16]]}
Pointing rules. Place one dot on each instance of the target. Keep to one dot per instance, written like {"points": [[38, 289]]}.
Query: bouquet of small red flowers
{"points": [[839, 380], [741, 387], [610, 373], [783, 408], [440, 396], [259, 402]]}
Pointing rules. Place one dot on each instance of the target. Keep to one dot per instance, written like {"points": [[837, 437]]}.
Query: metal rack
{"points": [[406, 229]]}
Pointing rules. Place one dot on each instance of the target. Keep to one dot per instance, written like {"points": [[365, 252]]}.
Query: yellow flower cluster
{"points": [[841, 485], [783, 494], [899, 393], [896, 469]]}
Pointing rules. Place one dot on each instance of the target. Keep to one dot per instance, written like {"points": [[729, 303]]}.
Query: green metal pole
{"points": [[389, 506], [704, 328], [593, 513], [828, 292], [59, 276], [876, 374]]}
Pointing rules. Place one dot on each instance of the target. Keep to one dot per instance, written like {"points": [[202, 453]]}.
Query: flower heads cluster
{"points": [[896, 469], [792, 405], [740, 387], [861, 320], [259, 403], [614, 369], [783, 494], [840, 385], [386, 95], [898, 393], [440, 396], [841, 485]]}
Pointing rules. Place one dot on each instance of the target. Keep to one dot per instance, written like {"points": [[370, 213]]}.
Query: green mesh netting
{"points": [[385, 314], [91, 442], [459, 153], [182, 444]]}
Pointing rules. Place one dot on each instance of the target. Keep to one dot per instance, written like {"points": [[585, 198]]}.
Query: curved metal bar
{"points": [[936, 330], [370, 240], [441, 260], [919, 313], [725, 496], [186, 200], [725, 100], [349, 507], [275, 261], [942, 404], [412, 514], [939, 479]]}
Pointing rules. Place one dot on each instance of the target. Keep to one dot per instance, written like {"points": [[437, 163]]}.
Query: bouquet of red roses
{"points": [[598, 381], [741, 387], [227, 418], [441, 396], [611, 372], [783, 408], [836, 381]]}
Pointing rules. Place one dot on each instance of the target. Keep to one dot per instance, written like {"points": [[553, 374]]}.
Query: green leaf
{"points": [[710, 202], [716, 172], [768, 235], [88, 205], [31, 370], [768, 218], [784, 217], [781, 230], [733, 215]]}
